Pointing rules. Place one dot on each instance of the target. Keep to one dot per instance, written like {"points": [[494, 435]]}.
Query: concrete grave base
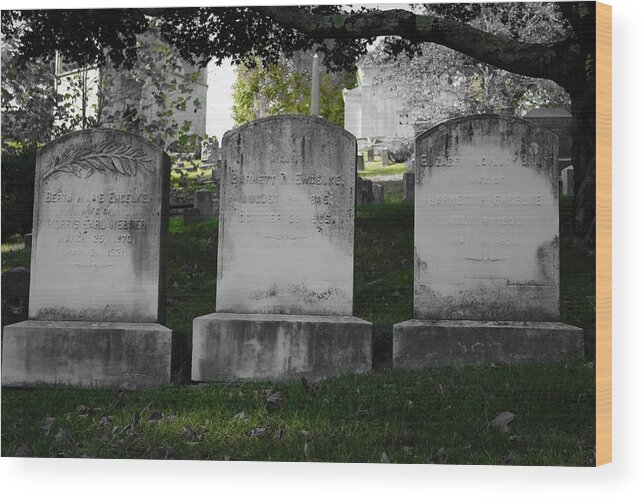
{"points": [[436, 343], [231, 346], [87, 354]]}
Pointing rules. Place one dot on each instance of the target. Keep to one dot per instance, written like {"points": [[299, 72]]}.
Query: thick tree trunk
{"points": [[584, 162]]}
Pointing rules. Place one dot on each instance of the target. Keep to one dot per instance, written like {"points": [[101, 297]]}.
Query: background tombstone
{"points": [[486, 248], [191, 216], [567, 177], [559, 121], [378, 193], [284, 298], [370, 154], [360, 162], [210, 151], [363, 191], [15, 295], [384, 156], [204, 202], [409, 186], [97, 266]]}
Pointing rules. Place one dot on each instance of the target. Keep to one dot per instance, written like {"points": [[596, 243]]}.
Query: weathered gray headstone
{"points": [[486, 246], [378, 193], [216, 172], [409, 186], [384, 157], [97, 266], [370, 154], [363, 191], [567, 176], [191, 216], [15, 295], [210, 151], [360, 162], [204, 202], [28, 240], [285, 259]]}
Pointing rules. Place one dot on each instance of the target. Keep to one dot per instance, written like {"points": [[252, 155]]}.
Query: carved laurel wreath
{"points": [[121, 159]]}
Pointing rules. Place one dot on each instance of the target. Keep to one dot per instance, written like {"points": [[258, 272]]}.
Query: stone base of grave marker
{"points": [[88, 354], [230, 346], [436, 343]]}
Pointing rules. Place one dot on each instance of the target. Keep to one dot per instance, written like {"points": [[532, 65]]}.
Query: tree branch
{"points": [[552, 60]]}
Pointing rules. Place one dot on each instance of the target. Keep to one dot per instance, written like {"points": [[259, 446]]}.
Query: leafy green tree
{"points": [[28, 97], [458, 84], [269, 33], [285, 87], [142, 97]]}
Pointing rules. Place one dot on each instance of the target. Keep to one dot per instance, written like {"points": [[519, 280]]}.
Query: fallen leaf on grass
{"points": [[191, 435], [120, 400], [155, 417], [132, 428], [443, 454], [84, 410], [23, 451], [512, 457], [241, 416], [47, 424], [62, 436], [258, 431], [384, 458], [310, 390], [273, 399], [502, 421], [407, 450], [280, 433]]}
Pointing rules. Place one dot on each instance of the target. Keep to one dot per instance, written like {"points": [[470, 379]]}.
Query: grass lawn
{"points": [[375, 168], [439, 416], [190, 181]]}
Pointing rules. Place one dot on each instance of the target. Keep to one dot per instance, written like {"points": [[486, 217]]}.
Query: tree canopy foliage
{"points": [[435, 83], [42, 99], [341, 35], [285, 88]]}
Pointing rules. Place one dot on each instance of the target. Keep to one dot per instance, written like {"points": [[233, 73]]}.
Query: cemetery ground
{"points": [[536, 414]]}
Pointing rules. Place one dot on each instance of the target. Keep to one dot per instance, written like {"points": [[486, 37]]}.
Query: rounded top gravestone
{"points": [[100, 220], [486, 221], [286, 218]]}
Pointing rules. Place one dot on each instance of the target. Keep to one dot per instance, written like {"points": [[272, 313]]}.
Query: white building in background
{"points": [[120, 91], [219, 107], [367, 113]]}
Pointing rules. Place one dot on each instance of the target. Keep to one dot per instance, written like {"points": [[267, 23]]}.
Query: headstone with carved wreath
{"points": [[96, 300]]}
